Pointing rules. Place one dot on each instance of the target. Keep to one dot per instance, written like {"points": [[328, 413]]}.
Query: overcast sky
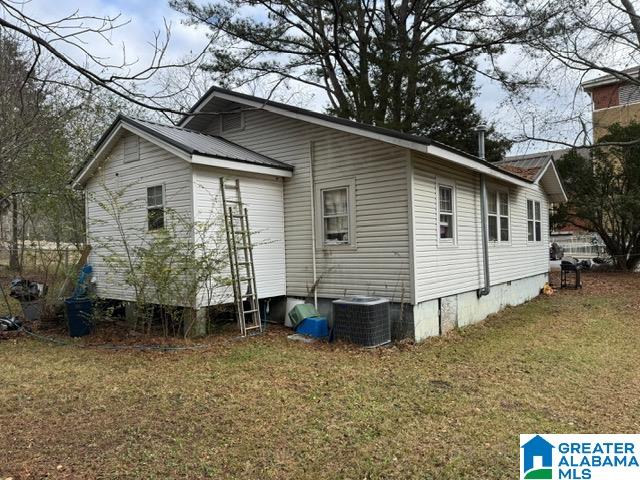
{"points": [[146, 16]]}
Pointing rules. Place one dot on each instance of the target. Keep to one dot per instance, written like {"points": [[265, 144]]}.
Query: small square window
{"points": [[155, 207]]}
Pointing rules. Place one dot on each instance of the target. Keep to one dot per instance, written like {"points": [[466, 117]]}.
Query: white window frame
{"points": [[498, 215], [533, 220], [442, 182], [350, 185], [162, 205]]}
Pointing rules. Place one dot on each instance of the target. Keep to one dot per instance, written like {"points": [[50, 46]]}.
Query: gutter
{"points": [[486, 289]]}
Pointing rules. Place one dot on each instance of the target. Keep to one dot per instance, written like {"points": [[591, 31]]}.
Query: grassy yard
{"points": [[450, 408]]}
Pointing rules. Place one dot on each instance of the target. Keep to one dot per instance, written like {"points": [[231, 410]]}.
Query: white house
{"points": [[352, 208]]}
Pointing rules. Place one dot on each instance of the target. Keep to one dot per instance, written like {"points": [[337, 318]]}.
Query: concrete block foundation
{"points": [[195, 323], [466, 308], [441, 315]]}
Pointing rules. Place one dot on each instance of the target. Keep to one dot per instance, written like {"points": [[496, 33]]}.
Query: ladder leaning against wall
{"points": [[243, 273]]}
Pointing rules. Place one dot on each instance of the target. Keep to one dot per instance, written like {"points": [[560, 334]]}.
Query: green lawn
{"points": [[450, 408]]}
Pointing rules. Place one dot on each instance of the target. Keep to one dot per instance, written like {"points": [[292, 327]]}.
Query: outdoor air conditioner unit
{"points": [[362, 320]]}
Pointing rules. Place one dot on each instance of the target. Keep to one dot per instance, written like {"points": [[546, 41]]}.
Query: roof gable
{"points": [[412, 142], [190, 145], [541, 170]]}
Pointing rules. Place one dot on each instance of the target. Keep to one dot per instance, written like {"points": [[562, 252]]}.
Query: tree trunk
{"points": [[14, 258]]}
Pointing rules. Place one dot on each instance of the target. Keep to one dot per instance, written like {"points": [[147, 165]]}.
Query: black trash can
{"points": [[79, 313]]}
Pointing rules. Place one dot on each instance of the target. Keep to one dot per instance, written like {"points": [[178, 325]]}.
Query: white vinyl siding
{"points": [[378, 263], [155, 167], [262, 196], [392, 187], [443, 272]]}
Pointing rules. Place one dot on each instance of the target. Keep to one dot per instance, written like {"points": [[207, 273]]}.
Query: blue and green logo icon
{"points": [[537, 459]]}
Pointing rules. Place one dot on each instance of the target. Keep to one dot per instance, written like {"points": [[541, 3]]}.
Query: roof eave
{"points": [[484, 168], [608, 79], [557, 194], [240, 166], [107, 140], [184, 152], [423, 145]]}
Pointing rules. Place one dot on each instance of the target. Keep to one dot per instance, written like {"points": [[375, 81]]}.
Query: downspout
{"points": [[481, 129], [313, 223]]}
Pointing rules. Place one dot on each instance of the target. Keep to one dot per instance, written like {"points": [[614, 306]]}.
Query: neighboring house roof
{"points": [[192, 145], [538, 168], [413, 142], [528, 166], [618, 77], [528, 173]]}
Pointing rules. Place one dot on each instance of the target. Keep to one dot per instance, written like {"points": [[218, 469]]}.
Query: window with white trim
{"points": [[335, 216], [446, 215], [498, 216], [534, 221], [155, 207]]}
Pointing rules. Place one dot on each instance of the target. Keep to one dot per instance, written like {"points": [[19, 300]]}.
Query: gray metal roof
{"points": [[536, 160], [198, 143], [419, 139], [539, 159], [530, 166]]}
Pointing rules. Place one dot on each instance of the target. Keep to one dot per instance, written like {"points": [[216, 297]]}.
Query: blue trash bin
{"points": [[314, 327], [79, 313]]}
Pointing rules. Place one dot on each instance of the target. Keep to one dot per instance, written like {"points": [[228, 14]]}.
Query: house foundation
{"points": [[195, 323], [441, 315]]}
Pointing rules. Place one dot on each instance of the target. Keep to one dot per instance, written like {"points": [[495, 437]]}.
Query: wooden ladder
{"points": [[243, 273]]}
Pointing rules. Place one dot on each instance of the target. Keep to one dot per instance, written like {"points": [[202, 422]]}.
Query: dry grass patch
{"points": [[265, 407]]}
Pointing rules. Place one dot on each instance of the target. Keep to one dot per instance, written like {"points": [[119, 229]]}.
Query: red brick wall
{"points": [[605, 96]]}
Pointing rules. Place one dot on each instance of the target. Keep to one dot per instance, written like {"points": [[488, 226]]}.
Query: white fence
{"points": [[34, 254], [581, 246]]}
